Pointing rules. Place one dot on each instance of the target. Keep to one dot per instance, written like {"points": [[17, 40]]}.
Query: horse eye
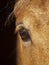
{"points": [[24, 34]]}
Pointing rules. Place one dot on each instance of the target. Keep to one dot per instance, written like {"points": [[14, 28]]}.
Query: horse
{"points": [[32, 29]]}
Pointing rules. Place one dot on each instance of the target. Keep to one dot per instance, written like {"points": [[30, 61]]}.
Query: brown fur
{"points": [[34, 14]]}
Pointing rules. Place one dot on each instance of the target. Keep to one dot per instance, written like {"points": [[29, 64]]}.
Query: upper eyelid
{"points": [[19, 26]]}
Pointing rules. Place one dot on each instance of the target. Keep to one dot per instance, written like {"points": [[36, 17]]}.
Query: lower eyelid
{"points": [[28, 43]]}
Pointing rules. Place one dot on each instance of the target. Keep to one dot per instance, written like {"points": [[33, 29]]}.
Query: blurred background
{"points": [[7, 36]]}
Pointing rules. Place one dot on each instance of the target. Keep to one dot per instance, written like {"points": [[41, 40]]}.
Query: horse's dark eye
{"points": [[24, 34]]}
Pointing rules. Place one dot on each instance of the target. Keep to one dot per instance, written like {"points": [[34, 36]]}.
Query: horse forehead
{"points": [[36, 13], [43, 4]]}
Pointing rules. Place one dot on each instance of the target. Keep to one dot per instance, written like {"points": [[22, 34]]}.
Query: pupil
{"points": [[24, 34]]}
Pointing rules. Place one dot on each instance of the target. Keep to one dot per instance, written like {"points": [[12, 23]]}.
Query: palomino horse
{"points": [[32, 28]]}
